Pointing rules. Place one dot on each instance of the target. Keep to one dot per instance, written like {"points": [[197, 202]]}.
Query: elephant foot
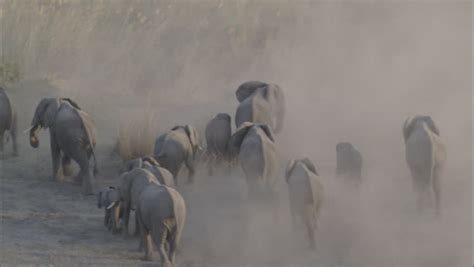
{"points": [[67, 170], [15, 154]]}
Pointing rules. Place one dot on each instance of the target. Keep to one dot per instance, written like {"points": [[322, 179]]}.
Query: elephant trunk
{"points": [[34, 141]]}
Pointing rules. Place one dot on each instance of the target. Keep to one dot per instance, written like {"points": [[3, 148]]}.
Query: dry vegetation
{"points": [[136, 137]]}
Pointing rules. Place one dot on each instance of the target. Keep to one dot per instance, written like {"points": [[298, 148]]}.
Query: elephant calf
{"points": [[256, 150], [7, 121], [179, 146], [161, 213], [218, 132], [72, 136], [132, 184], [306, 194], [349, 162], [109, 199], [150, 164], [425, 155]]}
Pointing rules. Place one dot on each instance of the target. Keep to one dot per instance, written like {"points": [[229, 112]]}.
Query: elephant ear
{"points": [[431, 124], [408, 127], [177, 127], [307, 162], [71, 102], [247, 89], [45, 112], [193, 136], [267, 131], [289, 169], [238, 137]]}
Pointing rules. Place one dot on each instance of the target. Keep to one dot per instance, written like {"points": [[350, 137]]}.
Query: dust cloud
{"points": [[351, 71]]}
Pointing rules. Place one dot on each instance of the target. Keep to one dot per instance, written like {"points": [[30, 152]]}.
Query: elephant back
{"points": [[247, 89]]}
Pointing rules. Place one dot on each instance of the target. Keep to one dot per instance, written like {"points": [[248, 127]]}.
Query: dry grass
{"points": [[136, 137]]}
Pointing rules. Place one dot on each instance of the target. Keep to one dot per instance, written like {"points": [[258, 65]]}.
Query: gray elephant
{"points": [[109, 199], [131, 185], [179, 146], [72, 136], [425, 155], [349, 162], [260, 103], [149, 163], [161, 213], [255, 147], [306, 194], [7, 121], [218, 132]]}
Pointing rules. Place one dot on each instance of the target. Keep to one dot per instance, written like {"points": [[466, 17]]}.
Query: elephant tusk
{"points": [[111, 205], [29, 129]]}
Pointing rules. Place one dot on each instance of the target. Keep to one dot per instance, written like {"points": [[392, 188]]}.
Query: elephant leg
{"points": [[172, 241], [2, 137], [13, 134], [67, 167], [126, 217], [148, 245], [137, 229], [56, 155], [159, 236], [107, 219], [437, 190], [82, 159], [211, 164], [420, 186], [190, 165], [308, 219]]}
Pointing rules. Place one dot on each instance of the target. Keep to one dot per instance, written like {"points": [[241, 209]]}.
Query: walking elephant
{"points": [[161, 213], [131, 185], [306, 194], [349, 163], [150, 164], [109, 199], [260, 103], [255, 147], [8, 121], [425, 155], [72, 136], [218, 132], [179, 146]]}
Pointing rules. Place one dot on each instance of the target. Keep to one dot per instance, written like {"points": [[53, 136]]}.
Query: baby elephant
{"points": [[161, 213], [109, 199], [306, 194], [349, 162]]}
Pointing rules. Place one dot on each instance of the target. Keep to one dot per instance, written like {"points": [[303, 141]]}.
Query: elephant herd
{"points": [[149, 185]]}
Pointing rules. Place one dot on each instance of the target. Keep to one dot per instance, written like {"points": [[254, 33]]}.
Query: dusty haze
{"points": [[351, 71]]}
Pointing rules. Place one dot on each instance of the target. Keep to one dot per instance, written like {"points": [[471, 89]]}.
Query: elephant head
{"points": [[292, 163], [416, 121], [271, 93], [238, 137], [43, 118]]}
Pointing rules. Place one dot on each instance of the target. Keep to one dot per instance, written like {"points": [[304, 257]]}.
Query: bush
{"points": [[9, 72], [136, 137]]}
